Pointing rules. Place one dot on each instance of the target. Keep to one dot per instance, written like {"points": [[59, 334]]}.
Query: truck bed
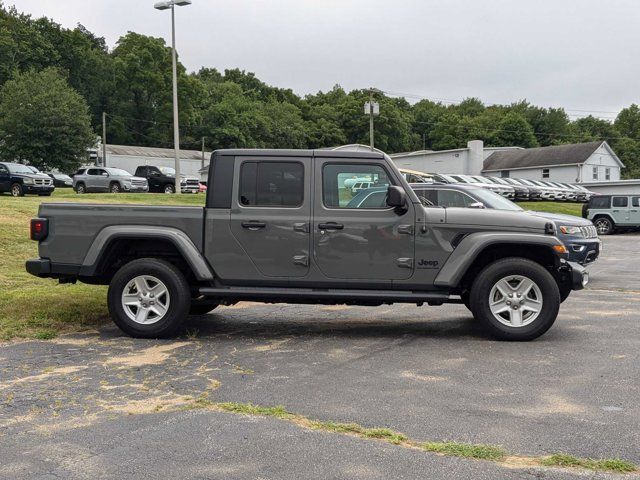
{"points": [[74, 226]]}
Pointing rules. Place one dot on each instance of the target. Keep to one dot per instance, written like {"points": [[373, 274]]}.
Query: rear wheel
{"points": [[149, 298], [604, 225], [515, 299], [17, 190]]}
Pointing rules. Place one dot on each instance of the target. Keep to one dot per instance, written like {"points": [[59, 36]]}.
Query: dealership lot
{"points": [[101, 405]]}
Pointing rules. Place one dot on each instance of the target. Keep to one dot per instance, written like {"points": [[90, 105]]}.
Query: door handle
{"points": [[330, 226], [253, 225]]}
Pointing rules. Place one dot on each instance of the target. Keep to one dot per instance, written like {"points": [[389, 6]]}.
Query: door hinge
{"points": [[405, 229], [301, 227], [405, 262], [302, 260]]}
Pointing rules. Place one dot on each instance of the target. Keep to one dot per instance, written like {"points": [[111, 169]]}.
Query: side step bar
{"points": [[305, 295]]}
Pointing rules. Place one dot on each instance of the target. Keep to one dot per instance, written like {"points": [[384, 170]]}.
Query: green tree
{"points": [[514, 130], [43, 121], [628, 122]]}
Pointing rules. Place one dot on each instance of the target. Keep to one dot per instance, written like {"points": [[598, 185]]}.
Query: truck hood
{"points": [[561, 219], [504, 219], [32, 175]]}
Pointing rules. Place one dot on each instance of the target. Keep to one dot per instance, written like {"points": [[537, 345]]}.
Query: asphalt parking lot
{"points": [[101, 405]]}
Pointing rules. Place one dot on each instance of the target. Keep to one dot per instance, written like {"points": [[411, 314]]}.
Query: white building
{"points": [[129, 158], [468, 160], [575, 163]]}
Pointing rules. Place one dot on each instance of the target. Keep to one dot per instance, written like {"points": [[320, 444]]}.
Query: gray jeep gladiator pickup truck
{"points": [[278, 227]]}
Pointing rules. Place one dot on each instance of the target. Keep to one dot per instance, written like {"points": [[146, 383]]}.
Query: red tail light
{"points": [[39, 228]]}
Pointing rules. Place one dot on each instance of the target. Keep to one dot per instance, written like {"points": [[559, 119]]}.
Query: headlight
{"points": [[570, 230], [28, 181], [183, 181]]}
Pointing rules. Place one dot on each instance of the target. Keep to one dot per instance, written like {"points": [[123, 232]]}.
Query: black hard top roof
{"points": [[276, 152]]}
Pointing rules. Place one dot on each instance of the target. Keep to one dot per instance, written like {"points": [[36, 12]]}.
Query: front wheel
{"points": [[515, 299], [149, 298], [114, 188], [17, 190], [603, 225], [168, 188], [80, 188]]}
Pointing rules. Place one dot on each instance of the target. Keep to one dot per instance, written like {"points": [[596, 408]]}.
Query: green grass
{"points": [[569, 461], [490, 453], [467, 450], [554, 207], [40, 308]]}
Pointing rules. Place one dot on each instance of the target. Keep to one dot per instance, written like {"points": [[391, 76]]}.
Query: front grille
{"points": [[193, 182], [43, 182], [138, 183], [589, 231]]}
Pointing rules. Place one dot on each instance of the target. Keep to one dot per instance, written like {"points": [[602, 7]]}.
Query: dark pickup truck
{"points": [[278, 227], [163, 179]]}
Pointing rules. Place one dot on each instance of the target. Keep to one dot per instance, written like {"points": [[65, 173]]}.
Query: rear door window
{"points": [[620, 202], [600, 202], [271, 184], [635, 201]]}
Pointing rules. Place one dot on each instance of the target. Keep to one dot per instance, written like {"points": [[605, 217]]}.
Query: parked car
{"points": [[481, 182], [163, 179], [520, 192], [106, 179], [61, 180], [19, 180], [613, 212], [579, 235], [276, 228], [533, 191]]}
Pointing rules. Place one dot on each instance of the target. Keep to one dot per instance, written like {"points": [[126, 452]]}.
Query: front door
{"points": [[5, 179], [620, 210], [355, 235], [271, 214]]}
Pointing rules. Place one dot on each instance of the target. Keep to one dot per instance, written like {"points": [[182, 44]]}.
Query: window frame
{"points": [[635, 202], [594, 173], [607, 173], [546, 173], [357, 164], [258, 162]]}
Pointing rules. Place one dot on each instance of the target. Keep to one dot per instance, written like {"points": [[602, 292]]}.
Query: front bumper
{"points": [[583, 252], [135, 188], [574, 275], [190, 188], [38, 188]]}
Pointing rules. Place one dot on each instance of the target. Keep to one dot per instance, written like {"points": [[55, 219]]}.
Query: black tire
{"points": [[114, 187], [498, 270], [604, 225], [168, 188], [81, 188], [202, 307], [17, 190], [178, 290]]}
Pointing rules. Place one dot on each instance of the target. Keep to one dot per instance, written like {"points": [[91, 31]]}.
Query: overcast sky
{"points": [[579, 54]]}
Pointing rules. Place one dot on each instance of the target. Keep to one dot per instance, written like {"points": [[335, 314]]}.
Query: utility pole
{"points": [[424, 141], [202, 161], [104, 139], [372, 109], [171, 4]]}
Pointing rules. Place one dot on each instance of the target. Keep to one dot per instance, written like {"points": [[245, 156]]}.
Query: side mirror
{"points": [[477, 205], [396, 197]]}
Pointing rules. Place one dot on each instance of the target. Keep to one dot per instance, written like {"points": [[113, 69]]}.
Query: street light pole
{"points": [[171, 4]]}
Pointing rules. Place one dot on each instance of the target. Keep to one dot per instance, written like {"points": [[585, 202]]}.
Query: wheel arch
{"points": [[604, 214], [476, 251], [115, 244]]}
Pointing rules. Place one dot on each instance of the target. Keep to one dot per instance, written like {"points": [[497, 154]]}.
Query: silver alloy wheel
{"points": [[16, 190], [603, 226], [145, 299], [515, 301], [80, 188], [169, 189], [115, 188]]}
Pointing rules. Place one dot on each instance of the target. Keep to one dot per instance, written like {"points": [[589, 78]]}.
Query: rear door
{"points": [[271, 214], [363, 242], [620, 210], [5, 179]]}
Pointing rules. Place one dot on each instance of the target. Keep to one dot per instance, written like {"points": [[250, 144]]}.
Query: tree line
{"points": [[55, 84]]}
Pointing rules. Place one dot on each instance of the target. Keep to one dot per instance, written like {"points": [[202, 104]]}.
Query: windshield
{"points": [[118, 172], [494, 200], [167, 171], [20, 169]]}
